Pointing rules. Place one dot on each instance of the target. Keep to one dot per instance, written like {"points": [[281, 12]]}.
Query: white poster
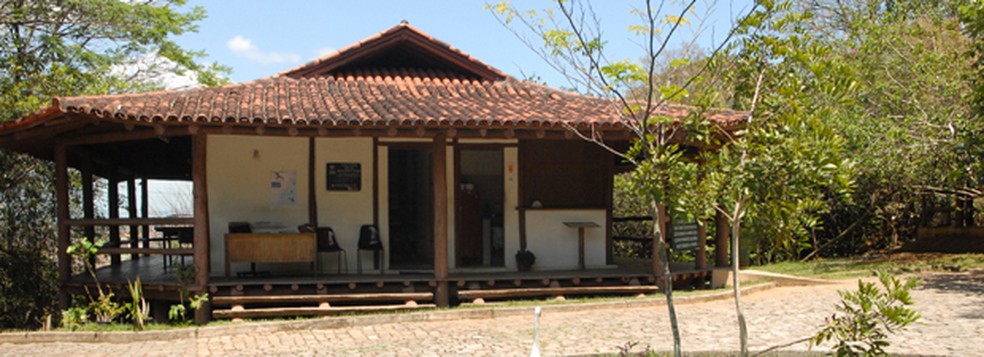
{"points": [[283, 188]]}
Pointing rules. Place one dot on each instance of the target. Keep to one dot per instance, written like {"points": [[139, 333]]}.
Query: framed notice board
{"points": [[684, 236], [344, 176]]}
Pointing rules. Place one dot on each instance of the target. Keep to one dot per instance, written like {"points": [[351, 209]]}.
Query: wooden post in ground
{"points": [[200, 190], [131, 209], [441, 294], [64, 240], [721, 241], [113, 205]]}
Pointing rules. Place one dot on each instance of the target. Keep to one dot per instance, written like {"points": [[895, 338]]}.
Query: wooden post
{"points": [[441, 294], [312, 192], [200, 189], [64, 240], [145, 210], [721, 241], [701, 255], [580, 248], [131, 202], [521, 193], [113, 205], [375, 181], [609, 209], [88, 199]]}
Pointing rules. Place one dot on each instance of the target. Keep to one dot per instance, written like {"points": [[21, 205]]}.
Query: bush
{"points": [[27, 288], [870, 314]]}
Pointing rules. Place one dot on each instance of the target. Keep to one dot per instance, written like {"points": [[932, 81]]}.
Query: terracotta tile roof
{"points": [[402, 97], [399, 77]]}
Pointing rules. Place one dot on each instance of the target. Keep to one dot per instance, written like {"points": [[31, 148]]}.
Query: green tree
{"points": [[52, 48], [786, 159], [910, 125], [570, 38]]}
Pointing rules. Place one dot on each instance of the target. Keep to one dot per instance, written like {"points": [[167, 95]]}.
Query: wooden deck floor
{"points": [[152, 272], [163, 283]]}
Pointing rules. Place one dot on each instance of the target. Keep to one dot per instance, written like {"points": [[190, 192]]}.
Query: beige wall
{"points": [[555, 245], [239, 185], [344, 211], [239, 190]]}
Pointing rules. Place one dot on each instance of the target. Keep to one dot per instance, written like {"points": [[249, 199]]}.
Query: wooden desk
{"points": [[580, 239], [270, 248]]}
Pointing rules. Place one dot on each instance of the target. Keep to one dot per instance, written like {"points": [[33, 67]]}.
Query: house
{"points": [[457, 165]]}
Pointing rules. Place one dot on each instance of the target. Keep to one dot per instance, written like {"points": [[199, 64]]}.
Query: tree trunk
{"points": [[667, 279], [736, 281]]}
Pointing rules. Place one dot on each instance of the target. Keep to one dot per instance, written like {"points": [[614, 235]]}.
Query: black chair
{"points": [[328, 244], [369, 240]]}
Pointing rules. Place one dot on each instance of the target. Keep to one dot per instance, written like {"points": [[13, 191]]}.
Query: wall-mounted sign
{"points": [[344, 176], [684, 236], [283, 188]]}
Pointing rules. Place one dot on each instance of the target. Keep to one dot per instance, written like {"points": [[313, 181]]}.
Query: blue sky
{"points": [[261, 38]]}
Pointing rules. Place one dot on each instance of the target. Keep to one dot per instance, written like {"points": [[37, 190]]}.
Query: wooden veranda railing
{"points": [[118, 247]]}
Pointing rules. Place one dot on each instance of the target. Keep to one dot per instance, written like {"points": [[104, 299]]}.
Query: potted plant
{"points": [[525, 260]]}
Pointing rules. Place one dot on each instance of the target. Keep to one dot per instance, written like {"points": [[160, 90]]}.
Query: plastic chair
{"points": [[369, 240], [328, 244]]}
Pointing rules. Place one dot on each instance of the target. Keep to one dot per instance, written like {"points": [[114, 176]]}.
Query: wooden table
{"points": [[271, 248], [180, 234], [581, 225]]}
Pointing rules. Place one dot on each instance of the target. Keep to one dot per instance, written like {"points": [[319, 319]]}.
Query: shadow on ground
{"points": [[969, 283]]}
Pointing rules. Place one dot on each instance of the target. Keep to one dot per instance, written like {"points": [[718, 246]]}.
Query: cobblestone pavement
{"points": [[952, 306]]}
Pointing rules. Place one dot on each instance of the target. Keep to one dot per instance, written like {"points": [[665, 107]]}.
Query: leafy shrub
{"points": [[869, 315], [27, 288]]}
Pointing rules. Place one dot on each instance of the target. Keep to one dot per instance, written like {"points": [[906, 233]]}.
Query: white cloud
{"points": [[156, 71], [244, 47], [325, 51]]}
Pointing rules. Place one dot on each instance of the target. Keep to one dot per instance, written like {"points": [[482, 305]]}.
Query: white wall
{"points": [[239, 186], [555, 245], [344, 211], [239, 190]]}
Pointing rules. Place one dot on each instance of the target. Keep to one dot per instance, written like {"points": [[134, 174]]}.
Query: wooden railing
{"points": [[120, 246]]}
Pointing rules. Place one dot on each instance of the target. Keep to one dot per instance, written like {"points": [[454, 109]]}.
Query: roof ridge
{"points": [[392, 31]]}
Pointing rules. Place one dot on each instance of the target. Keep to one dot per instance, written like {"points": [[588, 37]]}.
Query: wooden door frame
{"points": [[458, 147]]}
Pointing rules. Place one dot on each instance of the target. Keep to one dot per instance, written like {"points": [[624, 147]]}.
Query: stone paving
{"points": [[952, 306]]}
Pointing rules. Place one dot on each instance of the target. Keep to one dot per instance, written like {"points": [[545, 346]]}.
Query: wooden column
{"points": [[441, 294], [375, 181], [88, 198], [113, 205], [145, 210], [64, 240], [521, 193], [701, 255], [312, 192], [199, 179], [721, 241], [131, 203], [609, 210]]}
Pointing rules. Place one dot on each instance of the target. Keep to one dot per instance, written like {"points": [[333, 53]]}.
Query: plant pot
{"points": [[525, 260]]}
